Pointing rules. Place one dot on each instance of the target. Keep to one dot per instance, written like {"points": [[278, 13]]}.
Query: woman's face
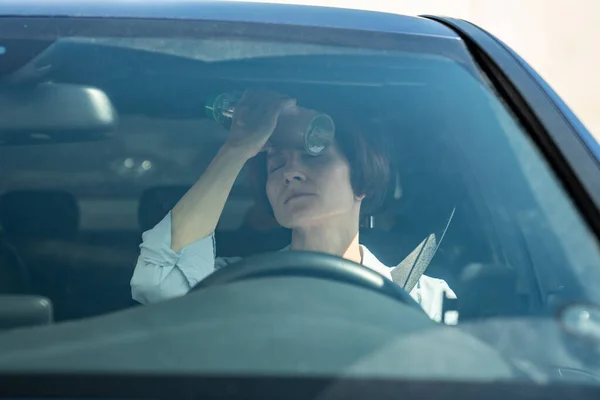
{"points": [[307, 190]]}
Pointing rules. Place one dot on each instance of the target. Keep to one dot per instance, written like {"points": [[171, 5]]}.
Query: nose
{"points": [[297, 178], [293, 174]]}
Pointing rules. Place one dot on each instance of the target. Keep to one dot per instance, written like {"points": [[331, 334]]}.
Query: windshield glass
{"points": [[402, 159]]}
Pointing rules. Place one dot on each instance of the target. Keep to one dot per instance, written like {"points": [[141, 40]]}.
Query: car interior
{"points": [[72, 211]]}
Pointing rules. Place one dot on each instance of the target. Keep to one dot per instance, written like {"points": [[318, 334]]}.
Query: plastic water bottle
{"points": [[304, 128]]}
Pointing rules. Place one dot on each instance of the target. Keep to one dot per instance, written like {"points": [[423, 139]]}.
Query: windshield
{"points": [[417, 171]]}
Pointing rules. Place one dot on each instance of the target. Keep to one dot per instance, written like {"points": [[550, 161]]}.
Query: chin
{"points": [[299, 218]]}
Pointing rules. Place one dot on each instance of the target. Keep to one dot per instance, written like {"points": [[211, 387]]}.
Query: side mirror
{"points": [[54, 112], [19, 311]]}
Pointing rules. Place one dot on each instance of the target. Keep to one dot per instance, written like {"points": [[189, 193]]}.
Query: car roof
{"points": [[229, 11]]}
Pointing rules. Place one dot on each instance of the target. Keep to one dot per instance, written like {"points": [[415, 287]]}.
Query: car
{"points": [[111, 111]]}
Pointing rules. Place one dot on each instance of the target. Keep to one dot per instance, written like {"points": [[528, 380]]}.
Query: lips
{"points": [[296, 196]]}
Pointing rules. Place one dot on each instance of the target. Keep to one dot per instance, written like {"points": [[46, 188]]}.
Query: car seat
{"points": [[14, 273], [35, 226]]}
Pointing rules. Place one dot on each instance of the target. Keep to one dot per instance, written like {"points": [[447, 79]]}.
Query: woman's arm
{"points": [[161, 273], [179, 251], [195, 216]]}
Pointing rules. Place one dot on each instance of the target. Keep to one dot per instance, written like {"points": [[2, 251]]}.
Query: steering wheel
{"points": [[307, 264]]}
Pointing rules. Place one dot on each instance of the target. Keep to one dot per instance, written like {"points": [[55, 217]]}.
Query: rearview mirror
{"points": [[52, 112]]}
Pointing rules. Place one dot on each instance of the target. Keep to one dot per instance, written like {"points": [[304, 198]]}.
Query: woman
{"points": [[318, 197]]}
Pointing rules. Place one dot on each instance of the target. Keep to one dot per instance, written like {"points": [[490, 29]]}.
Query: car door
{"points": [[569, 149]]}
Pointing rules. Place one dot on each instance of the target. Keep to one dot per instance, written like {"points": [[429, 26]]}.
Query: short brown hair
{"points": [[369, 165]]}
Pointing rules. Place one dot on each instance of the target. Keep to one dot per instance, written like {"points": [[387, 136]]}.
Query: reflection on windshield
{"points": [[406, 165]]}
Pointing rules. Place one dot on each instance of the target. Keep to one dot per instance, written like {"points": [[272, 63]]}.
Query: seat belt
{"points": [[409, 271]]}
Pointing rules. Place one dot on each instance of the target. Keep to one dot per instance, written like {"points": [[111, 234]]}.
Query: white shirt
{"points": [[161, 273]]}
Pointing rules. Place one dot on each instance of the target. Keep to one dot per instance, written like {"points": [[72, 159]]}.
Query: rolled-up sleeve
{"points": [[161, 273]]}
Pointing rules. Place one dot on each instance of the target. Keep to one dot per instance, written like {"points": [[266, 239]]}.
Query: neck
{"points": [[339, 239]]}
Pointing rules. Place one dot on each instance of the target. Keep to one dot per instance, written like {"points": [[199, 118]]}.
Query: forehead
{"points": [[280, 151]]}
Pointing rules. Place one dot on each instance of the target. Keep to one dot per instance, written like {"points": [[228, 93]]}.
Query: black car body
{"points": [[523, 235]]}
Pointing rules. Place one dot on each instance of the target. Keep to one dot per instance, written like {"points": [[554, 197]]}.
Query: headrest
{"points": [[156, 202], [24, 311], [39, 213]]}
